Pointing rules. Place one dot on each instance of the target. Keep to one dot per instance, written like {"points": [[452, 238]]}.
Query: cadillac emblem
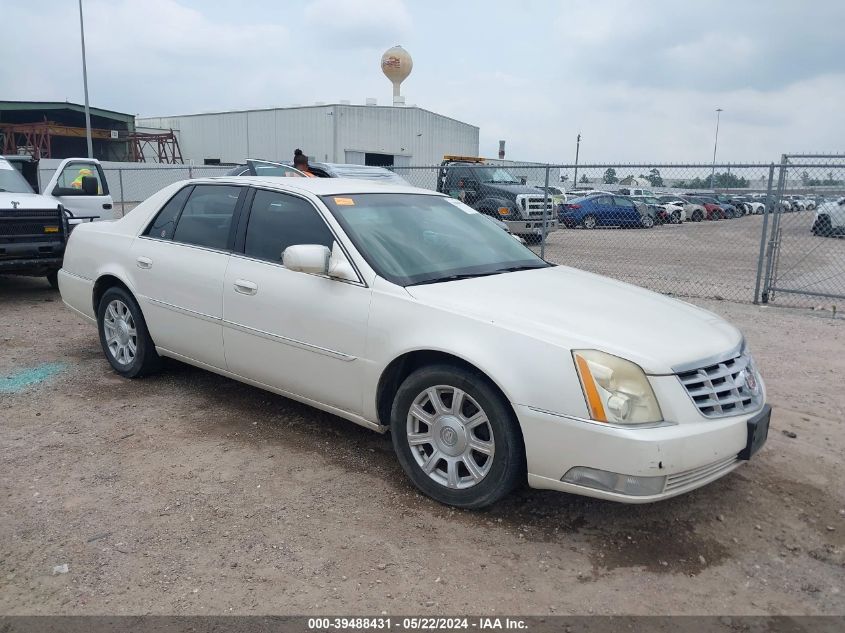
{"points": [[15, 204], [751, 381]]}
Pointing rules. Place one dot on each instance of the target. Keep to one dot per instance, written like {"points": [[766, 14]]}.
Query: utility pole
{"points": [[577, 149], [85, 85], [715, 145]]}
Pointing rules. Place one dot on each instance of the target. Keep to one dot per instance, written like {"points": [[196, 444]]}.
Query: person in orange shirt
{"points": [[300, 161]]}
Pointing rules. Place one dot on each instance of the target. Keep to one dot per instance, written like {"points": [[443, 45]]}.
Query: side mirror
{"points": [[339, 266], [90, 186], [307, 258]]}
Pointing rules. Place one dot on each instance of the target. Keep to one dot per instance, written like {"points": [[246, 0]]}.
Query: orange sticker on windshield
{"points": [[344, 202]]}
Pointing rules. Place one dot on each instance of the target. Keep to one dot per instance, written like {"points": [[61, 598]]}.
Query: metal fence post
{"points": [[190, 171], [545, 215], [762, 256], [770, 256], [122, 197]]}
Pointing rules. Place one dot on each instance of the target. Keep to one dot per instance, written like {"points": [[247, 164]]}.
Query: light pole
{"points": [[715, 145], [577, 149], [85, 85]]}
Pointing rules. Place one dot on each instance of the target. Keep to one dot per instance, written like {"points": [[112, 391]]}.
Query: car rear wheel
{"points": [[124, 336], [53, 279], [589, 222], [676, 217], [456, 437]]}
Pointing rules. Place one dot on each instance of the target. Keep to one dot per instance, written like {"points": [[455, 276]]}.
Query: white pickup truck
{"points": [[34, 227]]}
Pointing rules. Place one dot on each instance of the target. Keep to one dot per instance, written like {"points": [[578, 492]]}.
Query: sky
{"points": [[639, 80]]}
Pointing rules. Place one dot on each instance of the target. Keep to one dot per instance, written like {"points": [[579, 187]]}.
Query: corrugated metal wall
{"points": [[325, 133]]}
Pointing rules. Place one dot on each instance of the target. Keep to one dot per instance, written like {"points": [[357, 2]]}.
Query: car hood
{"points": [[26, 201], [579, 310], [513, 189]]}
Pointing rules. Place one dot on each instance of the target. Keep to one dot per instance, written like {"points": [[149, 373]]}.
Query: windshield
{"points": [[496, 176], [11, 179], [651, 201], [416, 238]]}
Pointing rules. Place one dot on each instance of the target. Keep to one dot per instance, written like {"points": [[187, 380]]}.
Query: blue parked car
{"points": [[602, 209]]}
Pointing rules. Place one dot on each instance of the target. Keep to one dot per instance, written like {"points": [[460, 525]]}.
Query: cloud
{"points": [[722, 43], [360, 24], [639, 80]]}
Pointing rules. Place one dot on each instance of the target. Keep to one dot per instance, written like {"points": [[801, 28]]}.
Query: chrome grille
{"points": [[724, 388], [533, 205], [691, 477]]}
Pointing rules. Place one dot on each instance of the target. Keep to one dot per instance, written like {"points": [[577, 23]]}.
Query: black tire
{"points": [[53, 279], [508, 466], [676, 217], [822, 226], [647, 221], [589, 221], [697, 215], [146, 360]]}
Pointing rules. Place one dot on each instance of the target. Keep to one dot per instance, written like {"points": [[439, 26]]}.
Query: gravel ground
{"points": [[187, 493]]}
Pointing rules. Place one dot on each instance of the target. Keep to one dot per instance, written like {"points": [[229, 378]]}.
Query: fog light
{"points": [[632, 485]]}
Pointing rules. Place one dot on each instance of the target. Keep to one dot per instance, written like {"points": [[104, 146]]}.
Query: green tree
{"points": [[720, 181], [610, 176], [584, 179], [654, 178], [805, 178], [727, 180]]}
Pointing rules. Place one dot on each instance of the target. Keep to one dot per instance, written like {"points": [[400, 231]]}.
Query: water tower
{"points": [[396, 64]]}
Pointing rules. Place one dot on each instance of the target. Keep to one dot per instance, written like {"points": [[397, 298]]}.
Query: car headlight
{"points": [[616, 390]]}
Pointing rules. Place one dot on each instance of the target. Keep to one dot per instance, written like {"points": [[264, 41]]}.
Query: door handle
{"points": [[144, 262], [107, 205], [245, 287]]}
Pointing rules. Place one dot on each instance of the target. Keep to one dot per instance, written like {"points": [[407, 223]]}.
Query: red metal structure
{"points": [[165, 146]]}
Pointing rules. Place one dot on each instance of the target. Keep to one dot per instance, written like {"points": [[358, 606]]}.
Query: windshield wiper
{"points": [[498, 271], [513, 269], [456, 277]]}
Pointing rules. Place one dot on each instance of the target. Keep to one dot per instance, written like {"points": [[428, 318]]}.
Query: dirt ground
{"points": [[187, 493]]}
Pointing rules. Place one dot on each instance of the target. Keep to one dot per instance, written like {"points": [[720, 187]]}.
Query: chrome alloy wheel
{"points": [[121, 333], [450, 437]]}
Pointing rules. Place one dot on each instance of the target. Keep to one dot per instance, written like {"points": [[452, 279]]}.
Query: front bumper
{"points": [[689, 455], [530, 227]]}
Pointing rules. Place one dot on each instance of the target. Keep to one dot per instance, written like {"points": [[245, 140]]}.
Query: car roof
{"points": [[317, 186]]}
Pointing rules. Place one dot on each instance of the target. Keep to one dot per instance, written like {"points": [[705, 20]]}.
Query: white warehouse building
{"points": [[335, 133]]}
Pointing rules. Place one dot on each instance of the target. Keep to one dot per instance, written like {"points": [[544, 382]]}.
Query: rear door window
{"points": [[206, 219], [165, 222]]}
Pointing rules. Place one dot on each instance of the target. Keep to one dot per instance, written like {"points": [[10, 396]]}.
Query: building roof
{"points": [[305, 107], [65, 105]]}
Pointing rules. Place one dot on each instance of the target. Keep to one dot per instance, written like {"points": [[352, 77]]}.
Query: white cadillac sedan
{"points": [[406, 311]]}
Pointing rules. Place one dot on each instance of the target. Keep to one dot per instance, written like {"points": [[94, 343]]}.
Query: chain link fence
{"points": [[770, 233], [804, 260]]}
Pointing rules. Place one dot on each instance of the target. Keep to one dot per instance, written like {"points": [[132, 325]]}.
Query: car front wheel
{"points": [[124, 336], [647, 221], [456, 437], [589, 222]]}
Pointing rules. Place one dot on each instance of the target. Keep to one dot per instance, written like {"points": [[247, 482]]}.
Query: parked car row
{"points": [[604, 208]]}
